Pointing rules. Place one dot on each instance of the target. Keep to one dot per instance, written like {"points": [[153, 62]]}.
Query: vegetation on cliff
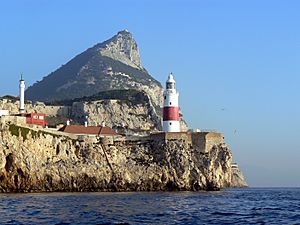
{"points": [[131, 96], [24, 132]]}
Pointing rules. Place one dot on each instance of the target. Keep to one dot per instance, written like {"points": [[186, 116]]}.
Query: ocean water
{"points": [[232, 206]]}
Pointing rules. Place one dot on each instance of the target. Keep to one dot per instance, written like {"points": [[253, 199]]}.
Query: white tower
{"points": [[171, 108], [86, 121], [22, 95]]}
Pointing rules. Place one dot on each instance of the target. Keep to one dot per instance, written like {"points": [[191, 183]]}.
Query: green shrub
{"points": [[14, 130]]}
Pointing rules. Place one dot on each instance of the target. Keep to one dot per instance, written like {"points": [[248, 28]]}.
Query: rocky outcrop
{"points": [[237, 178], [123, 48], [120, 115], [39, 161]]}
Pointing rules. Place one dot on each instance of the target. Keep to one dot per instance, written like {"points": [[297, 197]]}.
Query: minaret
{"points": [[171, 107], [22, 95]]}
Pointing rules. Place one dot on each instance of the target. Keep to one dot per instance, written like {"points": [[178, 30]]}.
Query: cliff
{"points": [[38, 160], [120, 115], [135, 114]]}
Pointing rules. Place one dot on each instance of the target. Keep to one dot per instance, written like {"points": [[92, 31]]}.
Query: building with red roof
{"points": [[88, 130]]}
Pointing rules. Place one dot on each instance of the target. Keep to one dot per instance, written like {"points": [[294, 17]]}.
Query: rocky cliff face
{"points": [[37, 161], [134, 116], [124, 116], [237, 178], [120, 115], [123, 48], [111, 65]]}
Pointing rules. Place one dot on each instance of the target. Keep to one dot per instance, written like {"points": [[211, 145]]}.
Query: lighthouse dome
{"points": [[171, 78]]}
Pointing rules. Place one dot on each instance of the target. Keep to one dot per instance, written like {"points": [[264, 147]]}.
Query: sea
{"points": [[229, 206]]}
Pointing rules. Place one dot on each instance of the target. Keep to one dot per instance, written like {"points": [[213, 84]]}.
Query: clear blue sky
{"points": [[239, 56]]}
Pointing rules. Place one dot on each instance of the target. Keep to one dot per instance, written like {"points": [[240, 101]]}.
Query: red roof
{"points": [[90, 130]]}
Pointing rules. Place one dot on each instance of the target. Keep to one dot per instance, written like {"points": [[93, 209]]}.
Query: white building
{"points": [[4, 112]]}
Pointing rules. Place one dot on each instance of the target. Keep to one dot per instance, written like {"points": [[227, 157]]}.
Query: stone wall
{"points": [[212, 139], [38, 107], [165, 136], [18, 120], [205, 141], [199, 141], [202, 141]]}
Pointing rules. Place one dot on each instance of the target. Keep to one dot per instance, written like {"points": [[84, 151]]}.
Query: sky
{"points": [[236, 63]]}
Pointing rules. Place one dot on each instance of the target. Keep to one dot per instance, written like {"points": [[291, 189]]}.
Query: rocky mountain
{"points": [[102, 72], [112, 65]]}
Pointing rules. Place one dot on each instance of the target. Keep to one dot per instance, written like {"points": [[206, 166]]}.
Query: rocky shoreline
{"points": [[43, 162]]}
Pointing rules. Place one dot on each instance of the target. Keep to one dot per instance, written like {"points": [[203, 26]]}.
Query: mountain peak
{"points": [[122, 47], [111, 65], [125, 31]]}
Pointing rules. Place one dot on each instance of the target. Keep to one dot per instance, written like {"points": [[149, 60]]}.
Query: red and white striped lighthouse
{"points": [[171, 107]]}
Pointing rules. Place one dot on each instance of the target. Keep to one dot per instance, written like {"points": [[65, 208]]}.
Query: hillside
{"points": [[130, 95]]}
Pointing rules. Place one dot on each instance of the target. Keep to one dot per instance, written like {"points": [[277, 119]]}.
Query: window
{"points": [[170, 85], [170, 103], [170, 123], [165, 97]]}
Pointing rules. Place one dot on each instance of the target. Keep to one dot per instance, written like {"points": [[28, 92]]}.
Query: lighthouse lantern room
{"points": [[171, 107]]}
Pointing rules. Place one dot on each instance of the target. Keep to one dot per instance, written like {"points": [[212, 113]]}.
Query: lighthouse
{"points": [[22, 95], [171, 107]]}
